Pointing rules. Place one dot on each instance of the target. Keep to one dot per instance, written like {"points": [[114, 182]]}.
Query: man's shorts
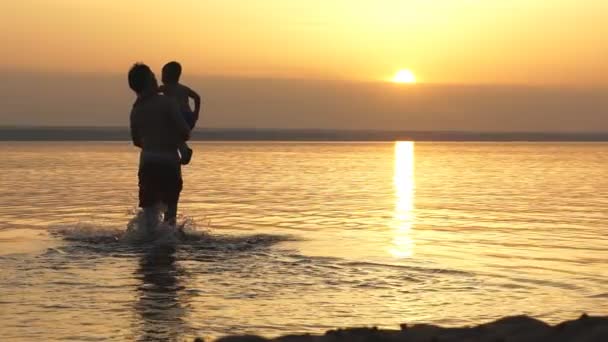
{"points": [[159, 182]]}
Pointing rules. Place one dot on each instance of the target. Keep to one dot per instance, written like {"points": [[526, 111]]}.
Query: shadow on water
{"points": [[159, 304]]}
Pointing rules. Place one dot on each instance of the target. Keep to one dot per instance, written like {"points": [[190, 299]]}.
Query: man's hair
{"points": [[172, 72], [139, 77]]}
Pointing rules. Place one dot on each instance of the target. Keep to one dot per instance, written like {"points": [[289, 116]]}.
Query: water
{"points": [[302, 237]]}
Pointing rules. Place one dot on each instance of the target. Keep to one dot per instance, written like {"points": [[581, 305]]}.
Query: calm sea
{"points": [[302, 237]]}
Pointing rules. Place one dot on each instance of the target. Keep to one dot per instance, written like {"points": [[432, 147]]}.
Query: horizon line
{"points": [[304, 129], [117, 133], [320, 79]]}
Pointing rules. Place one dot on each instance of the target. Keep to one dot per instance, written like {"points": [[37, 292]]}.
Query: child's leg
{"points": [[184, 150], [185, 153]]}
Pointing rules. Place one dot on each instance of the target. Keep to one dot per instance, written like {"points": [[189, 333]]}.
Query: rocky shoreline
{"points": [[509, 329]]}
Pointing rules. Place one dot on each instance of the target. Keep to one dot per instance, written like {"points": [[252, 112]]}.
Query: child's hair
{"points": [[171, 72], [139, 77]]}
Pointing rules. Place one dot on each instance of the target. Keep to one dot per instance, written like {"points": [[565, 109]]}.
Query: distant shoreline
{"points": [[235, 134]]}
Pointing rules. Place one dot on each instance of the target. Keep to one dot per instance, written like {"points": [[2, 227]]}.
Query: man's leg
{"points": [[171, 214], [148, 197], [151, 218], [173, 183], [171, 218]]}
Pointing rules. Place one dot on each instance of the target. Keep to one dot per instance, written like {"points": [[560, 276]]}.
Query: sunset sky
{"points": [[461, 41], [556, 43]]}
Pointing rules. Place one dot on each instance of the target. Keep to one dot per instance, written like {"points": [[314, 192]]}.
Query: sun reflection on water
{"points": [[404, 183]]}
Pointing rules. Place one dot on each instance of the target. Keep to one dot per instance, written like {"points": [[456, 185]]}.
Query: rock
{"points": [[242, 338], [509, 329]]}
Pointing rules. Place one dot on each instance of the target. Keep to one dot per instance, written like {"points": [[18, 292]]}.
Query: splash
{"points": [[141, 229], [148, 227], [190, 239], [88, 232]]}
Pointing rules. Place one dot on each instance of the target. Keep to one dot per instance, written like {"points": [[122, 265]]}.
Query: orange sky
{"points": [[442, 41]]}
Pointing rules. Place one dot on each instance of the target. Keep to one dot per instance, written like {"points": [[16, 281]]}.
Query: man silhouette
{"points": [[158, 128]]}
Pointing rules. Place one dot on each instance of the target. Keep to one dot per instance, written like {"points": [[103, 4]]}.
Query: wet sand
{"points": [[508, 329]]}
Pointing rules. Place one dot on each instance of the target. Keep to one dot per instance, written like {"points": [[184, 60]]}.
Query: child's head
{"points": [[171, 72], [141, 78]]}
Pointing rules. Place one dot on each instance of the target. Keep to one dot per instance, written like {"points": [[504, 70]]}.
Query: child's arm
{"points": [[197, 102]]}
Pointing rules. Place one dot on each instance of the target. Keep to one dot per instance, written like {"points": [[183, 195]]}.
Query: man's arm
{"points": [[197, 102], [135, 136], [183, 130]]}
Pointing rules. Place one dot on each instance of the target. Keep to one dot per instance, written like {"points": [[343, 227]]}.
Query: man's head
{"points": [[142, 79], [171, 72]]}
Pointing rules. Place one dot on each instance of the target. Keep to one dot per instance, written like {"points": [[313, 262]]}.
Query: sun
{"points": [[404, 76]]}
